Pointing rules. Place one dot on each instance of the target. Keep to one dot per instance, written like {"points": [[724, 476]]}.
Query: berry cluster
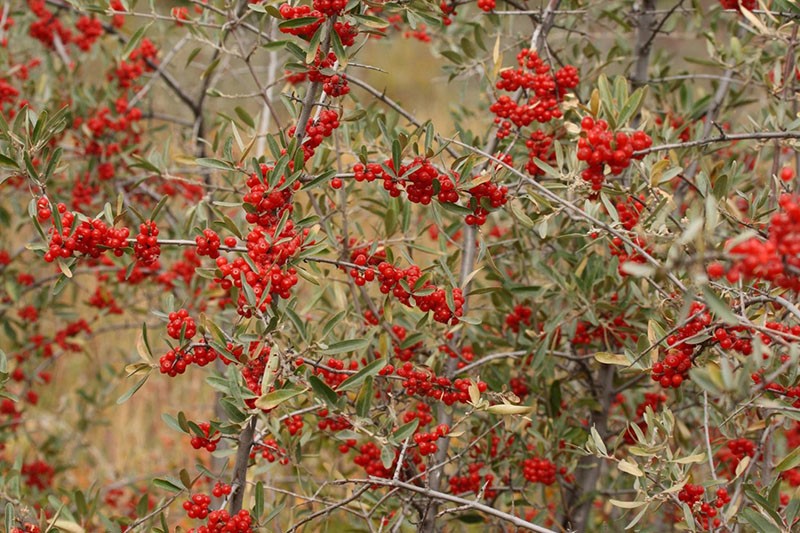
{"points": [[334, 374], [222, 521], [426, 383], [43, 210], [208, 243], [294, 424], [483, 197], [289, 12], [368, 172], [676, 123], [778, 257], [630, 210], [270, 451], [197, 506], [729, 339], [738, 4], [540, 146], [474, 482], [544, 92], [332, 423], [334, 84], [269, 246], [265, 206], [404, 351], [431, 298], [146, 248], [426, 442], [448, 9], [422, 412], [317, 131], [180, 14], [600, 147], [140, 60], [221, 489], [176, 361], [617, 249], [177, 321], [673, 370], [704, 512], [732, 454], [610, 331], [422, 182], [48, 28], [253, 369], [487, 5], [420, 179], [520, 315], [519, 387], [208, 441], [369, 458], [90, 238], [38, 474], [101, 298], [330, 7], [363, 275], [539, 470], [27, 527]]}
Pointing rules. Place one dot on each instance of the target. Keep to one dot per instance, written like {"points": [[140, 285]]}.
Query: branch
{"points": [[724, 138], [240, 467], [442, 496], [314, 87], [644, 40]]}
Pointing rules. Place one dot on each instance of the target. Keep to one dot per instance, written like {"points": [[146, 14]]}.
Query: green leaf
{"points": [[125, 397], [192, 55], [364, 398], [333, 322], [369, 370], [210, 162], [172, 422], [159, 206], [397, 154], [297, 23], [718, 307], [790, 461], [258, 504], [598, 441], [167, 484], [245, 116], [760, 522], [9, 516], [8, 162], [349, 345], [405, 431], [313, 45], [371, 22], [133, 42], [387, 456], [249, 294], [185, 479], [338, 49], [632, 106], [324, 391], [275, 398]]}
